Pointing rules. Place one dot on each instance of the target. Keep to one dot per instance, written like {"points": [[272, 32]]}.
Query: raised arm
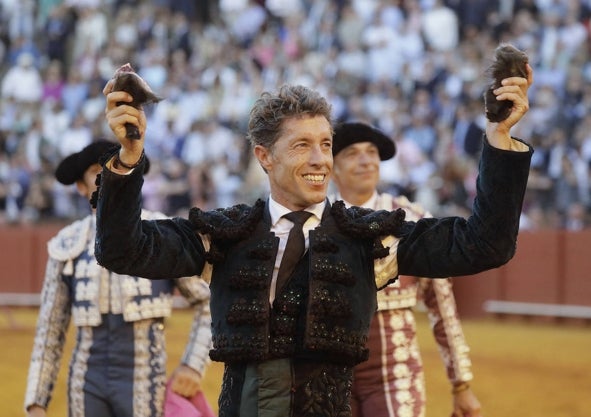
{"points": [[125, 244], [455, 246]]}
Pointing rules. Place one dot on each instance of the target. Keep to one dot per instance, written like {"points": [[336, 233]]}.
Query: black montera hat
{"points": [[346, 134], [73, 167]]}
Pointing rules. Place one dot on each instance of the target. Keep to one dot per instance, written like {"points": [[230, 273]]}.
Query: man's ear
{"points": [[82, 188], [264, 155]]}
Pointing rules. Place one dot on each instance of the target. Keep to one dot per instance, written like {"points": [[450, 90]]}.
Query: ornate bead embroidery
{"points": [[251, 277], [325, 303], [247, 312], [264, 251], [230, 224], [239, 348], [333, 271], [323, 243], [289, 302], [366, 223]]}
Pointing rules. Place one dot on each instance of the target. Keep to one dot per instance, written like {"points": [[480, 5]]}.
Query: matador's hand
{"points": [[36, 411], [466, 404], [118, 115], [185, 381], [515, 90]]}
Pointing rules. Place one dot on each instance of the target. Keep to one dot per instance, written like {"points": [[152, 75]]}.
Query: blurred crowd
{"points": [[414, 68]]}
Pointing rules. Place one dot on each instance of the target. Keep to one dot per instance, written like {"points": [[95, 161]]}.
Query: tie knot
{"points": [[298, 217]]}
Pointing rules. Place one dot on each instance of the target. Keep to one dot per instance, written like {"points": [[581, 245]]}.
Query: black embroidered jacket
{"points": [[325, 310]]}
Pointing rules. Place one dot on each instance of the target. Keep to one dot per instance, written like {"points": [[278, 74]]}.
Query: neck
{"points": [[356, 199]]}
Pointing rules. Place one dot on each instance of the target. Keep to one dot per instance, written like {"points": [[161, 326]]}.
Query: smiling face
{"points": [[357, 171], [299, 164]]}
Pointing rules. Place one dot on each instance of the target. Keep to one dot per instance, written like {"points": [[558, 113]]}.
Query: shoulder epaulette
{"points": [[228, 224], [70, 241], [366, 223]]}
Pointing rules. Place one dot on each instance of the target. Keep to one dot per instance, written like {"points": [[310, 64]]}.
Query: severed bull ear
{"points": [[127, 80], [509, 62]]}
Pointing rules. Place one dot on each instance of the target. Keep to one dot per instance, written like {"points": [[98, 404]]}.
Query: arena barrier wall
{"points": [[548, 277]]}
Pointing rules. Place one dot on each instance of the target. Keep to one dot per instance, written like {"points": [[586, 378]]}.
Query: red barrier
{"points": [[16, 259], [549, 268], [575, 279], [534, 272], [23, 255]]}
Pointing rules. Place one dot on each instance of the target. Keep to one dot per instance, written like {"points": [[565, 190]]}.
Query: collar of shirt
{"points": [[278, 223]]}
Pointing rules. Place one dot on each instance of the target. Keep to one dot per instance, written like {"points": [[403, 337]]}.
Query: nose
{"points": [[318, 156], [364, 158]]}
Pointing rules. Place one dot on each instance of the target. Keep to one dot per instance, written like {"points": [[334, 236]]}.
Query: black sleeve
{"points": [[455, 246], [154, 249]]}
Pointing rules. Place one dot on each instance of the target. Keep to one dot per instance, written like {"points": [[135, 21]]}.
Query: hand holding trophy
{"points": [[126, 79]]}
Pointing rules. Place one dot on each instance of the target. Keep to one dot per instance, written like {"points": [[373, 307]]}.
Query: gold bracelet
{"points": [[117, 162], [463, 386]]}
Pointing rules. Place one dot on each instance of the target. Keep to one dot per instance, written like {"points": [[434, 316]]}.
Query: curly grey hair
{"points": [[270, 110]]}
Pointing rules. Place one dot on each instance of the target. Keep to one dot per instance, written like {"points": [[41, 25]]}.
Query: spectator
{"points": [[440, 27], [23, 82], [53, 82], [75, 91], [57, 33]]}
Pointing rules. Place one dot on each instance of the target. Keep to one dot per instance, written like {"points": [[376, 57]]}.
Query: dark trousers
{"points": [[286, 388], [118, 369]]}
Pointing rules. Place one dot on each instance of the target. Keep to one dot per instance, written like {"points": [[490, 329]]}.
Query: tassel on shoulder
{"points": [[366, 223]]}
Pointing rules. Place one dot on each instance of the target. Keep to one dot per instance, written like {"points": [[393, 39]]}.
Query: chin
{"points": [[317, 198]]}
